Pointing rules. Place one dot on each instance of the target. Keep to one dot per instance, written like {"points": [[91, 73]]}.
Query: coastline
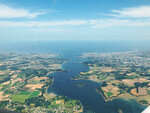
{"points": [[125, 97], [49, 95]]}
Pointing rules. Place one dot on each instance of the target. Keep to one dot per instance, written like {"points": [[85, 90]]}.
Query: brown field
{"points": [[43, 78], [107, 70], [103, 69], [130, 81], [126, 96], [112, 89], [6, 97], [18, 79], [130, 74], [34, 86], [39, 78], [60, 102], [79, 111], [1, 95], [1, 64], [142, 91], [134, 92], [14, 76], [94, 79], [116, 81], [2, 72], [15, 80], [6, 83]]}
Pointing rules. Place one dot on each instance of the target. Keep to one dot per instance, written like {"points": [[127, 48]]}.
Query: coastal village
{"points": [[121, 74], [24, 83]]}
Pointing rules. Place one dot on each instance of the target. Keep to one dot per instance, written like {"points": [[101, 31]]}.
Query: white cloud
{"points": [[62, 23], [140, 14], [102, 23], [96, 23], [143, 11], [8, 12], [51, 29], [43, 23], [133, 12]]}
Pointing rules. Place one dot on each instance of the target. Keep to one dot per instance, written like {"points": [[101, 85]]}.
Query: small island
{"points": [[81, 84], [120, 74], [24, 82]]}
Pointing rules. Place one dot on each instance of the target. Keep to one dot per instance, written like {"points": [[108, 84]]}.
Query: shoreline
{"points": [[48, 95], [124, 98]]}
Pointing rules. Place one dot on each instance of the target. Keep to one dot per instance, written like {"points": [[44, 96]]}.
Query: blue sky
{"points": [[74, 20]]}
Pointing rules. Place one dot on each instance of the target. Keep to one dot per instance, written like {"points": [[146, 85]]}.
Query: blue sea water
{"points": [[71, 50]]}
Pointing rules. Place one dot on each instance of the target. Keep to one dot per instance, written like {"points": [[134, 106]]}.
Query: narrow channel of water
{"points": [[92, 101], [71, 51]]}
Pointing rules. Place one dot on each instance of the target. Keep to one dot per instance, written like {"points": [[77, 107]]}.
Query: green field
{"points": [[25, 93], [3, 76], [19, 98], [109, 94], [34, 94], [22, 96], [70, 103], [148, 91]]}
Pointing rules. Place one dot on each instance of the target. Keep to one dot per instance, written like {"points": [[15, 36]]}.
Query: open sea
{"points": [[71, 51]]}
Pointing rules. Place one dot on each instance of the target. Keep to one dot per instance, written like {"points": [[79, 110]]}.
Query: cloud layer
{"points": [[8, 12], [95, 23], [43, 23], [142, 15], [134, 12]]}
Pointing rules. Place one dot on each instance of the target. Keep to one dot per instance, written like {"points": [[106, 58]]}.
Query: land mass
{"points": [[24, 82], [121, 74]]}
